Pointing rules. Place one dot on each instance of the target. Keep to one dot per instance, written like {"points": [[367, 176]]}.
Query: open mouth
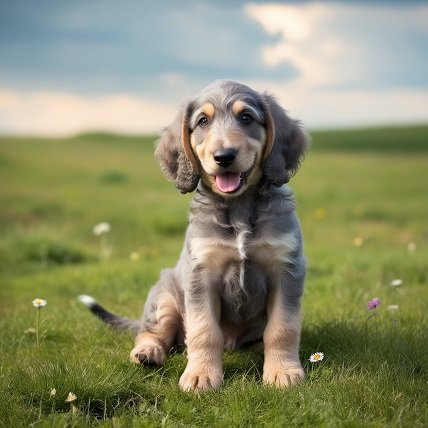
{"points": [[230, 182]]}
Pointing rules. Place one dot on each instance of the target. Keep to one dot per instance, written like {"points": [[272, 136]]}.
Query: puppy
{"points": [[240, 275]]}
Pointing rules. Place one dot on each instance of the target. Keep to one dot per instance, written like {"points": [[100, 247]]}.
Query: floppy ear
{"points": [[175, 155], [286, 143]]}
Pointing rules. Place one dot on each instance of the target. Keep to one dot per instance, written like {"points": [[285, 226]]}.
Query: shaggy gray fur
{"points": [[253, 239]]}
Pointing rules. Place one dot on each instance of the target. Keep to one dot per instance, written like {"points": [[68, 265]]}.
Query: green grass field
{"points": [[362, 201]]}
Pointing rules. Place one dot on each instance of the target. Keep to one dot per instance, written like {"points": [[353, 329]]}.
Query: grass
{"points": [[353, 184]]}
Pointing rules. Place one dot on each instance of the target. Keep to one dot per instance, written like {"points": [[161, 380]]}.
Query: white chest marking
{"points": [[241, 244]]}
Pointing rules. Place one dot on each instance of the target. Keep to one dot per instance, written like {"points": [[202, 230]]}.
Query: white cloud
{"points": [[344, 55], [306, 41], [356, 64], [62, 113], [350, 108], [332, 44]]}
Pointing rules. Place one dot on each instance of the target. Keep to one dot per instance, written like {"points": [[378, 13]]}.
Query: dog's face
{"points": [[228, 140], [230, 137]]}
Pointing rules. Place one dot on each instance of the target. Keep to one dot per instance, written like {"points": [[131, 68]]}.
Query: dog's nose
{"points": [[225, 157]]}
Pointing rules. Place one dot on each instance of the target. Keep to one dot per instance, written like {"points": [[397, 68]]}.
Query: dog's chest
{"points": [[243, 249], [259, 256], [244, 261], [264, 246]]}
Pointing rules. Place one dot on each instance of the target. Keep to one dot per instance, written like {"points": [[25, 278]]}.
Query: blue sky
{"points": [[73, 66]]}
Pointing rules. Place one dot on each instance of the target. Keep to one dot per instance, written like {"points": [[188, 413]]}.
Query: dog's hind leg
{"points": [[161, 324]]}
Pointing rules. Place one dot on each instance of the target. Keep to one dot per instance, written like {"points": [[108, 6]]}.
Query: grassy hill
{"points": [[398, 139], [362, 202]]}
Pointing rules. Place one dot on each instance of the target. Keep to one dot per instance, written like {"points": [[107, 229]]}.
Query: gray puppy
{"points": [[240, 275]]}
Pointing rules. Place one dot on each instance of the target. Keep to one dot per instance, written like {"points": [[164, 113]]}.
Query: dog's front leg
{"points": [[281, 340], [204, 339]]}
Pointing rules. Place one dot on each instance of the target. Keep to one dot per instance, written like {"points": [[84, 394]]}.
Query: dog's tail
{"points": [[115, 321]]}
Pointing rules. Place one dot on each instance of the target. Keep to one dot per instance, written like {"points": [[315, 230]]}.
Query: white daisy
{"points": [[316, 357], [396, 283], [101, 228], [39, 303], [71, 397]]}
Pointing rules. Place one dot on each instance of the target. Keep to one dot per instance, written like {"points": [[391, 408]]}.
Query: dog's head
{"points": [[230, 137]]}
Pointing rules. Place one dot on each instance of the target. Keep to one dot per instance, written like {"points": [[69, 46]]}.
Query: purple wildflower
{"points": [[373, 303]]}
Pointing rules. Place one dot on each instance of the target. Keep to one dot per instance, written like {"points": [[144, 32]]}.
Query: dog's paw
{"points": [[281, 377], [148, 354], [201, 379]]}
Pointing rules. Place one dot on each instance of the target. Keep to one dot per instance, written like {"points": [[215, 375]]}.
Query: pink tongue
{"points": [[228, 182]]}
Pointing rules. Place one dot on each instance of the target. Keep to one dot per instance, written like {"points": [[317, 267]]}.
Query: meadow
{"points": [[362, 202]]}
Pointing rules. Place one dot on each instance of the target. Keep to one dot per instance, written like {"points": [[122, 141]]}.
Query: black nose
{"points": [[225, 157]]}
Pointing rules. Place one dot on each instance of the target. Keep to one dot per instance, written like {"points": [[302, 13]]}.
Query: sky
{"points": [[101, 65]]}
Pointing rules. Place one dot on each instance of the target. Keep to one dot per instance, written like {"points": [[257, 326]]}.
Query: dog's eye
{"points": [[203, 122], [246, 118]]}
